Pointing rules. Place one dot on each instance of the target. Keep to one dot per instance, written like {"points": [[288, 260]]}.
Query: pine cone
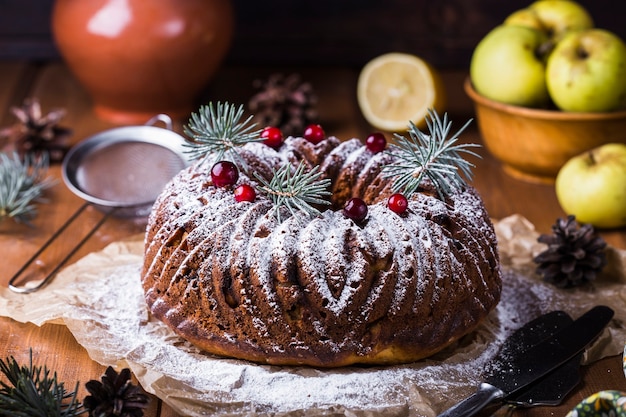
{"points": [[115, 396], [574, 255], [35, 132], [284, 102]]}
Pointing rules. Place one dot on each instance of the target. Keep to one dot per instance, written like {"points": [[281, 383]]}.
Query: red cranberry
{"points": [[355, 209], [314, 134], [244, 192], [376, 142], [397, 203], [273, 137], [224, 173]]}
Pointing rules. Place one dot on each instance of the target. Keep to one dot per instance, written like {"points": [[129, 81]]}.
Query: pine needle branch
{"points": [[22, 185], [433, 156], [296, 190], [217, 131], [32, 391]]}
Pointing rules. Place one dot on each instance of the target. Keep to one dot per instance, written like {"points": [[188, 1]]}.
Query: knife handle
{"points": [[473, 404]]}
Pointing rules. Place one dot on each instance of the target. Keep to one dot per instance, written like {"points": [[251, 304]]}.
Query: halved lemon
{"points": [[396, 88]]}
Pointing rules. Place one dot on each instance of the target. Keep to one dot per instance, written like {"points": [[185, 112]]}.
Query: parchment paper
{"points": [[101, 301]]}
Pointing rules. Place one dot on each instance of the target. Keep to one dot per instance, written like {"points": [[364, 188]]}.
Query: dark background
{"points": [[324, 32]]}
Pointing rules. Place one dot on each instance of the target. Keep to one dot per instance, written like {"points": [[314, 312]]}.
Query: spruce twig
{"points": [[433, 156], [296, 190], [22, 184], [32, 391], [217, 131]]}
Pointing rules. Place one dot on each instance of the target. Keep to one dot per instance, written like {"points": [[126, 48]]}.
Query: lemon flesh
{"points": [[396, 88]]}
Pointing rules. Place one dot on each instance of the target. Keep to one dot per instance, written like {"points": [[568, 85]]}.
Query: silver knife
{"points": [[529, 366]]}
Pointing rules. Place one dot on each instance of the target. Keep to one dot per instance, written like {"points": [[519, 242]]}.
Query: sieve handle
{"points": [[163, 118], [59, 232]]}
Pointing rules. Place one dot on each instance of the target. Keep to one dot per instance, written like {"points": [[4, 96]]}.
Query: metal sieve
{"points": [[120, 171]]}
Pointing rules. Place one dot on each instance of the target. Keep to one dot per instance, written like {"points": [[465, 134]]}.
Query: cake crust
{"points": [[326, 292]]}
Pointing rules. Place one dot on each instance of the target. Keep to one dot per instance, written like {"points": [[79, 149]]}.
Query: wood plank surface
{"points": [[55, 87]]}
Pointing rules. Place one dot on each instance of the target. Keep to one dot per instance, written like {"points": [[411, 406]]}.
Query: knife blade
{"points": [[517, 371], [551, 389]]}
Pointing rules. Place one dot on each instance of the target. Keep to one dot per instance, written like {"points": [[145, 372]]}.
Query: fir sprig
{"points": [[433, 156], [33, 391], [22, 184], [296, 190], [217, 131]]}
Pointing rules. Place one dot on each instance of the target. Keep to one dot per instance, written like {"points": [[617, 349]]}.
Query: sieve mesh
{"points": [[127, 173]]}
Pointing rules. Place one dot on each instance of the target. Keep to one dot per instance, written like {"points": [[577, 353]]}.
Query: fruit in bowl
{"points": [[533, 144], [506, 67], [551, 55], [553, 17], [549, 77], [586, 71]]}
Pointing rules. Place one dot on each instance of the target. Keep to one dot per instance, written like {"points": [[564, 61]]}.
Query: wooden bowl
{"points": [[533, 144]]}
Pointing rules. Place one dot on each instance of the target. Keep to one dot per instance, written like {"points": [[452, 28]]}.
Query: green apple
{"points": [[525, 17], [506, 66], [561, 16], [586, 72], [592, 186]]}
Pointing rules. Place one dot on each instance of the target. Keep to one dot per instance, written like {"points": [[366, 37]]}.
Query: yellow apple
{"points": [[586, 72], [554, 17], [525, 17], [561, 16], [592, 186], [506, 66]]}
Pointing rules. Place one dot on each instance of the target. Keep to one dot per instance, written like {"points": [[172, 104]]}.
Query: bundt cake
{"points": [[245, 276]]}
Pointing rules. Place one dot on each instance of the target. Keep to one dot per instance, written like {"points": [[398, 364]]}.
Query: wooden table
{"points": [[52, 84]]}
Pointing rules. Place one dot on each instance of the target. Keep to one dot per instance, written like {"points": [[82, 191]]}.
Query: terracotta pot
{"points": [[138, 58]]}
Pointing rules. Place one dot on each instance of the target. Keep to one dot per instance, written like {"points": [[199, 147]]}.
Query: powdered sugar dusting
{"points": [[321, 249]]}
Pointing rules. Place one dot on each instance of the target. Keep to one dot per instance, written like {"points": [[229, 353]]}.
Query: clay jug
{"points": [[138, 58]]}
